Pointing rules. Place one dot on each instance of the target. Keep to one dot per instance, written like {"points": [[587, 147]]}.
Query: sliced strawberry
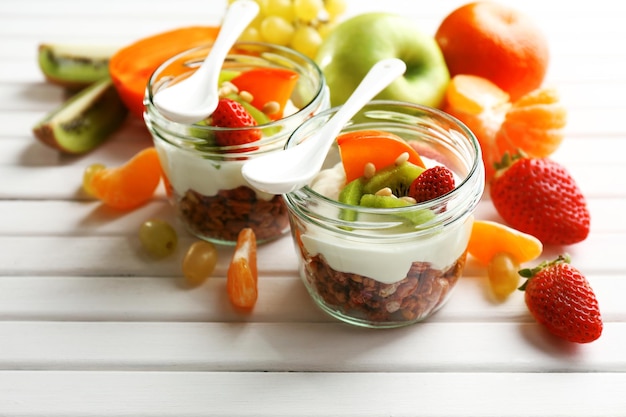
{"points": [[432, 183], [230, 113]]}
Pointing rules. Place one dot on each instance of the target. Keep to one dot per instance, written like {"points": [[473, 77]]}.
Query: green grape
{"points": [[335, 8], [251, 34], [158, 238], [307, 10], [199, 262], [276, 29], [88, 175], [503, 275], [306, 40], [280, 8]]}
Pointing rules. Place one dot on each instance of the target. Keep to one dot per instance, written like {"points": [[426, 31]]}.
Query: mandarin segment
{"points": [[474, 95], [130, 185], [242, 276], [533, 124], [489, 238]]}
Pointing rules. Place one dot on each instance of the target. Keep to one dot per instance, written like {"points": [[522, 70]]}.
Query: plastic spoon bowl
{"points": [[195, 98], [286, 171]]}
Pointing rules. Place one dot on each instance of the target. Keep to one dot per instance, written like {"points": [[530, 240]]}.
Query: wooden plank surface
{"points": [[90, 326]]}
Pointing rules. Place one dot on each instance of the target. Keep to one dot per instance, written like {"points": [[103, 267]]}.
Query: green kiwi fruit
{"points": [[85, 120], [383, 201], [74, 66], [351, 194], [397, 177]]}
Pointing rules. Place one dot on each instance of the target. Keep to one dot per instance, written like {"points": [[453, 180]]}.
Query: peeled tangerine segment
{"points": [[130, 185], [534, 123], [242, 276], [473, 95], [489, 238], [380, 148]]}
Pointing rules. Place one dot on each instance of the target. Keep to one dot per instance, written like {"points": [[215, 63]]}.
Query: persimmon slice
{"points": [[381, 148], [267, 85]]}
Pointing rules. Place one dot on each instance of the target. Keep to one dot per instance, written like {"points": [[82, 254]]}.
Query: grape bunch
{"points": [[299, 24]]}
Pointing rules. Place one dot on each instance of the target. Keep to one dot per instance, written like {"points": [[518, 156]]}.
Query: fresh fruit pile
{"points": [[485, 65], [299, 24], [250, 98], [384, 171]]}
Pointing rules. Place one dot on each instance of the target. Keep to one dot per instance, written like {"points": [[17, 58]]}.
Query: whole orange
{"points": [[496, 42]]}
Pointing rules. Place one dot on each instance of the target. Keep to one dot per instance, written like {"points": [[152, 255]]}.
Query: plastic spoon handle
{"points": [[237, 18], [195, 98], [286, 171]]}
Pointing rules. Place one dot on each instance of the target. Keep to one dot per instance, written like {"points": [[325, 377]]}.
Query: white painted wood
{"points": [[191, 394], [90, 326]]}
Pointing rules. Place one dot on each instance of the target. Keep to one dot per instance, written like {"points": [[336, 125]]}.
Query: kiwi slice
{"points": [[74, 66], [382, 201], [351, 194], [85, 120], [397, 177]]}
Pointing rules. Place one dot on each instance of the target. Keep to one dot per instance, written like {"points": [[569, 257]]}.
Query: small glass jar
{"points": [[375, 267], [203, 180]]}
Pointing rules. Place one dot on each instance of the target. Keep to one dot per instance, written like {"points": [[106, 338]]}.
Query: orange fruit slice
{"points": [[533, 124], [130, 185], [381, 148], [242, 276], [489, 238], [267, 85]]}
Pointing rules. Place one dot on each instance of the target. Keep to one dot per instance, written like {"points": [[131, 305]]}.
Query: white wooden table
{"points": [[91, 326]]}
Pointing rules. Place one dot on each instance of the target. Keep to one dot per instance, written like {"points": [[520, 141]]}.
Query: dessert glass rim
{"points": [[268, 50], [442, 219]]}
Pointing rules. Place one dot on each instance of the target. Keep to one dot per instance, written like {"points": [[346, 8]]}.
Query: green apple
{"points": [[354, 45]]}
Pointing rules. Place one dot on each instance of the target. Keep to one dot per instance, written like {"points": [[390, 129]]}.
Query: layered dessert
{"points": [[382, 233], [261, 103]]}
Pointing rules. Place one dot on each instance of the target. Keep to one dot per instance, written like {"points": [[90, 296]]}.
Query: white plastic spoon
{"points": [[286, 171], [195, 98]]}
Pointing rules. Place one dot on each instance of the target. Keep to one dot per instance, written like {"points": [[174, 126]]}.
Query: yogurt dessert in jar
{"points": [[372, 250], [266, 92]]}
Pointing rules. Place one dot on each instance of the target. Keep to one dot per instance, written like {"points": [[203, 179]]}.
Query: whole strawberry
{"points": [[560, 297], [431, 183], [230, 113], [538, 196]]}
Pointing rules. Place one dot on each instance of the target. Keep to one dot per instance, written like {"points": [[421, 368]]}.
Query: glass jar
{"points": [[375, 267], [203, 180]]}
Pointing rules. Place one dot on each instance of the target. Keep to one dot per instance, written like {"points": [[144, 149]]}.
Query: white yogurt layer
{"points": [[381, 261], [186, 170]]}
